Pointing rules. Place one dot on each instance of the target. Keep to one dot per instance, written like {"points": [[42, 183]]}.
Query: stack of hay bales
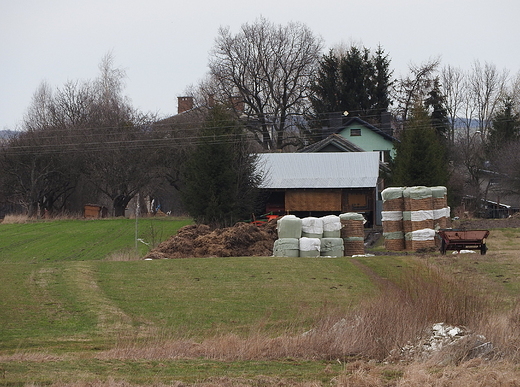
{"points": [[392, 218], [331, 242], [441, 211], [353, 233], [411, 215], [327, 236], [289, 233]]}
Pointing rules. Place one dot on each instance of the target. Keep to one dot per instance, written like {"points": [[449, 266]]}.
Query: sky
{"points": [[164, 45]]}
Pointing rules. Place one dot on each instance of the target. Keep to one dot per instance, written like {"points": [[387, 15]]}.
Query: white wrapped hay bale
{"points": [[441, 218], [440, 207], [392, 221], [331, 247], [289, 226], [331, 226], [286, 247], [310, 247], [312, 227], [420, 239]]}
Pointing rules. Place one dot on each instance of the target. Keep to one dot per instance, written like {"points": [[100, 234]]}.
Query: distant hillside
{"points": [[7, 133]]}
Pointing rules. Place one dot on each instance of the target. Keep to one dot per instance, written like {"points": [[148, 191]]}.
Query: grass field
{"points": [[72, 313]]}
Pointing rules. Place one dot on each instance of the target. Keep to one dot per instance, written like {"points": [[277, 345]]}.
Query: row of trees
{"points": [[85, 139], [84, 143]]}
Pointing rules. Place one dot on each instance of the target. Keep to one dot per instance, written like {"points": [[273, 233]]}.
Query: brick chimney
{"points": [[211, 100], [184, 104], [237, 103]]}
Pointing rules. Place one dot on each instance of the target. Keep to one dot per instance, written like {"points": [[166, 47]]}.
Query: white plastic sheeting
{"points": [[391, 216], [310, 247], [312, 227], [331, 226], [426, 234]]}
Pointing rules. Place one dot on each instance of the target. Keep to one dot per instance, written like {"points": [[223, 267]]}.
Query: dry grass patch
{"points": [[124, 255], [15, 219]]}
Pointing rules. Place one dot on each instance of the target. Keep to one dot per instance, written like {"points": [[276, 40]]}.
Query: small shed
{"points": [[316, 184], [94, 211]]}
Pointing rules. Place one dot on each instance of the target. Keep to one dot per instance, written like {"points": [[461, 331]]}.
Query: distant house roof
{"points": [[319, 170], [356, 120], [334, 141]]}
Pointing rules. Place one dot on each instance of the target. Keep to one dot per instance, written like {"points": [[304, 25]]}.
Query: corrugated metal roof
{"points": [[319, 170]]}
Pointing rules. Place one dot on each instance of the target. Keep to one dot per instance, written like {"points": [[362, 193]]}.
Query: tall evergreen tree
{"points": [[505, 127], [420, 158], [436, 104], [382, 81], [325, 96], [355, 81], [219, 179]]}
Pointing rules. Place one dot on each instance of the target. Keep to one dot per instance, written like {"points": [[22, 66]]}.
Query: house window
{"points": [[384, 156], [355, 132]]}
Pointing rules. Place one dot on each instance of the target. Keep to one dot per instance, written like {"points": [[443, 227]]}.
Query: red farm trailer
{"points": [[463, 240]]}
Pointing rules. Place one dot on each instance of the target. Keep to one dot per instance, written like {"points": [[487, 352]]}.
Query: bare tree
{"points": [[514, 92], [269, 67], [413, 88], [118, 162], [82, 131], [452, 87], [486, 87]]}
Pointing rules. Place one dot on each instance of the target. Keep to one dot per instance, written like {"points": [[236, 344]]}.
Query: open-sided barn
{"points": [[317, 184]]}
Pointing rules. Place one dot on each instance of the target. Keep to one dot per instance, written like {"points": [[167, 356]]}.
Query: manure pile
{"points": [[243, 239]]}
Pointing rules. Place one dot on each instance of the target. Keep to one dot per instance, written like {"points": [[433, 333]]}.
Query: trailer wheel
{"points": [[443, 247], [483, 249]]}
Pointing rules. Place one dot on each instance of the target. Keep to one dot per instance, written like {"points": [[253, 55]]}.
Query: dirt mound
{"points": [[243, 239]]}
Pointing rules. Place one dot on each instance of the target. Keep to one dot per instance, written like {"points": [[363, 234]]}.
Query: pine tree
{"points": [[436, 103], [505, 128], [325, 95], [355, 81], [219, 178], [420, 158]]}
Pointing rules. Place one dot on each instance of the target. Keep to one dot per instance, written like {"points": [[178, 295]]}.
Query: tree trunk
{"points": [[120, 203]]}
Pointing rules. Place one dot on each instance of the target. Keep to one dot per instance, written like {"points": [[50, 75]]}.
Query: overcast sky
{"points": [[163, 45]]}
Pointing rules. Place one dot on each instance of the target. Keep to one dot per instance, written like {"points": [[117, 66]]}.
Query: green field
{"points": [[70, 312]]}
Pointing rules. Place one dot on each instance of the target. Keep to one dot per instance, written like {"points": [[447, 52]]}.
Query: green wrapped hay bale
{"points": [[332, 247], [289, 226], [418, 198], [439, 192], [286, 247], [310, 247], [393, 199]]}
